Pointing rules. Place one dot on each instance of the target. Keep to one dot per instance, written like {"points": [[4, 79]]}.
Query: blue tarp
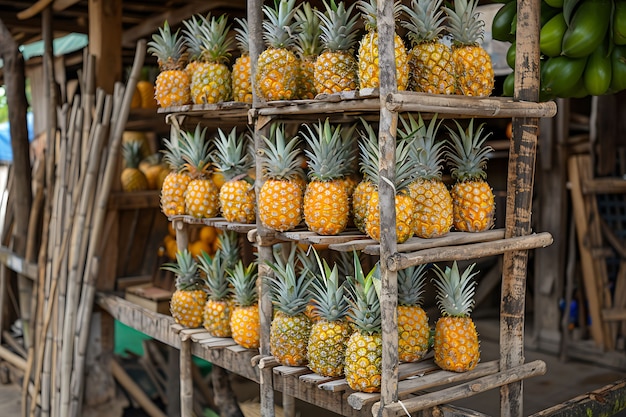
{"points": [[6, 153]]}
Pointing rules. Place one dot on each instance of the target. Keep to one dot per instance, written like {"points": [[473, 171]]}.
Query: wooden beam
{"points": [[105, 41], [34, 10]]}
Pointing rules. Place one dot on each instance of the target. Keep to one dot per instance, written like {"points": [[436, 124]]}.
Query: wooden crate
{"points": [[151, 297]]}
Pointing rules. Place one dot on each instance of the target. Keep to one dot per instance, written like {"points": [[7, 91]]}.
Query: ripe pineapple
{"points": [[245, 323], [326, 201], [472, 197], [211, 80], [433, 203], [368, 49], [369, 168], [241, 78], [431, 68], [132, 178], [456, 340], [290, 329], [228, 244], [233, 160], [331, 331], [188, 300], [308, 47], [473, 69], [175, 183], [413, 327], [280, 198], [218, 307], [365, 347], [336, 67], [201, 197], [193, 39], [172, 83], [277, 66]]}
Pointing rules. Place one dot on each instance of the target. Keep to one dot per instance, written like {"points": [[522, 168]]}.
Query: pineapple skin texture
{"points": [[368, 62], [327, 347], [473, 206], [133, 179], [474, 71], [202, 198], [456, 344], [276, 76], [187, 307], [237, 202], [364, 362], [289, 336], [173, 193], [431, 69], [405, 212], [335, 72], [413, 333], [245, 325], [280, 204], [433, 208], [242, 83], [360, 197], [326, 207], [216, 317], [306, 83], [211, 83], [172, 88]]}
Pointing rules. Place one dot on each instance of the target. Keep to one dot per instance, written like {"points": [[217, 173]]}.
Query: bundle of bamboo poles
{"points": [[81, 163]]}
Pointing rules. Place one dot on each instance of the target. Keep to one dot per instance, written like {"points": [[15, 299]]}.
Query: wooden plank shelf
{"points": [[218, 222], [218, 115], [120, 200]]}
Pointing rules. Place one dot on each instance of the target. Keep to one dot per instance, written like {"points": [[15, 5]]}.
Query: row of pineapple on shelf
{"points": [[310, 52], [325, 177], [325, 317]]}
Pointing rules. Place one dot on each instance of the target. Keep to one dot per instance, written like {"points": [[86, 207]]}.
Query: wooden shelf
{"points": [[218, 222], [223, 114], [120, 200]]}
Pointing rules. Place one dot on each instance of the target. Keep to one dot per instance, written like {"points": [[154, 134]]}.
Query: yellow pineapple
{"points": [[472, 197], [368, 49], [187, 303], [431, 68], [291, 327], [365, 347], [326, 200], [245, 322], [457, 347], [308, 47], [363, 191], [277, 66], [233, 160], [193, 40], [413, 327], [433, 203], [473, 68], [172, 83], [132, 178], [330, 331], [175, 183], [201, 196], [280, 197], [218, 307], [336, 66], [241, 78]]}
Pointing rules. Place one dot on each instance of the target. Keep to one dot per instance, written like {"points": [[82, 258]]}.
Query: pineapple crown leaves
{"points": [[229, 248], [328, 157], [425, 22], [308, 44], [192, 35], [131, 153], [411, 283], [216, 44], [169, 48], [242, 35], [243, 281], [426, 151], [289, 289], [281, 158], [369, 152], [231, 156], [455, 290], [279, 27], [464, 23], [214, 270], [196, 152], [369, 12], [328, 293], [172, 154], [363, 298], [186, 270], [337, 26], [406, 169], [468, 153]]}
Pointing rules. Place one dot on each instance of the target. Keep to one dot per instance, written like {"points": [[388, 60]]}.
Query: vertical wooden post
{"points": [[522, 155], [105, 41], [186, 380]]}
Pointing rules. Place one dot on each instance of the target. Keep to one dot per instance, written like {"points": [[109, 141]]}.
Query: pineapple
{"points": [[201, 197], [218, 307], [211, 79], [277, 66], [326, 202], [369, 167], [187, 303], [290, 328], [280, 197], [245, 323], [241, 78], [172, 83], [368, 49], [331, 331], [132, 178], [175, 183], [433, 203], [365, 347], [336, 67], [233, 160], [308, 47], [473, 69], [413, 328], [472, 197], [145, 87], [431, 68], [228, 244], [456, 340], [193, 39]]}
